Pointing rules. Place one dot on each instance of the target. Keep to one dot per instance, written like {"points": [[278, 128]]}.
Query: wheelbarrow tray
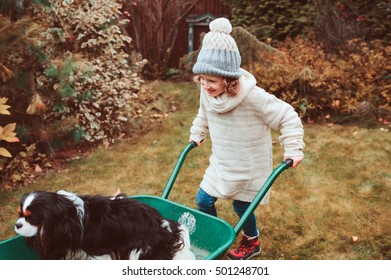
{"points": [[16, 248], [210, 236]]}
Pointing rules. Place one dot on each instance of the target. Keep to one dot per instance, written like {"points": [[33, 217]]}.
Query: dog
{"points": [[63, 225]]}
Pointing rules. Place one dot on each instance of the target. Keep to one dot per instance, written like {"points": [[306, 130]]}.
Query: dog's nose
{"points": [[18, 225]]}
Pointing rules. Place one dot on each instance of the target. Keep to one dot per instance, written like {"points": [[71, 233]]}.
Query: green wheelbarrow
{"points": [[205, 245]]}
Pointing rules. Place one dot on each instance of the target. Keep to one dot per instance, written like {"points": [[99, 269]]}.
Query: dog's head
{"points": [[40, 210]]}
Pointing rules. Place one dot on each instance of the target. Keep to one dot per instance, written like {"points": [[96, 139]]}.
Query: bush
{"points": [[72, 81], [334, 22], [321, 85], [88, 76], [273, 19], [340, 21]]}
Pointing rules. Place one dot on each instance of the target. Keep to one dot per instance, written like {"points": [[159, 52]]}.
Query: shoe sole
{"points": [[249, 257]]}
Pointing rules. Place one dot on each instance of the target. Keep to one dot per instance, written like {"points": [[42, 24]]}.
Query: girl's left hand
{"points": [[296, 160]]}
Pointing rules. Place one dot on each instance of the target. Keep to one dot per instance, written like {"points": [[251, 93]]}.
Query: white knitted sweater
{"points": [[239, 128]]}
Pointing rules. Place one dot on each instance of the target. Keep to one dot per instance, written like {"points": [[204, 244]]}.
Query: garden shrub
{"points": [[320, 84], [273, 19], [333, 21], [73, 81], [340, 21], [88, 75]]}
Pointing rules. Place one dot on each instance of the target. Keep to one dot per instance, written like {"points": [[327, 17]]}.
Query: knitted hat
{"points": [[219, 54]]}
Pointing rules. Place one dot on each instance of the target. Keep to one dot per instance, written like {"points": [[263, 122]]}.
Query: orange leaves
{"points": [[4, 152], [5, 73], [37, 106], [320, 84], [7, 132], [3, 106]]}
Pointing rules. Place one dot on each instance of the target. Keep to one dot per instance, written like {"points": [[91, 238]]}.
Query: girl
{"points": [[238, 116]]}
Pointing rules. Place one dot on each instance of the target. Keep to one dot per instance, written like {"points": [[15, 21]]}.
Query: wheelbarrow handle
{"points": [[253, 205], [178, 165], [261, 193]]}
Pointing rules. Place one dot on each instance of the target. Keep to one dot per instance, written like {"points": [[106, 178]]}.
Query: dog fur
{"points": [[63, 225]]}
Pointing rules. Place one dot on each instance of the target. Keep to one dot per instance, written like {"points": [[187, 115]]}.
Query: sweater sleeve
{"points": [[281, 116], [200, 130]]}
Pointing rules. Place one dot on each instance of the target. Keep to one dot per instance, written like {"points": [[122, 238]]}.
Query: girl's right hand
{"points": [[197, 143], [296, 160]]}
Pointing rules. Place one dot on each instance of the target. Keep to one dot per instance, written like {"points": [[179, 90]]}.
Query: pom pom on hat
{"points": [[219, 54], [221, 25]]}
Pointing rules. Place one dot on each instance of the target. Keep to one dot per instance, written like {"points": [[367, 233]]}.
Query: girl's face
{"points": [[213, 85]]}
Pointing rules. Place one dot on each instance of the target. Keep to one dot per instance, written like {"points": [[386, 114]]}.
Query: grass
{"points": [[341, 190]]}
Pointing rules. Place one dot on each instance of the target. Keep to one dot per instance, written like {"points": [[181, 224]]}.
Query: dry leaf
{"points": [[106, 144], [354, 238], [37, 168], [4, 152]]}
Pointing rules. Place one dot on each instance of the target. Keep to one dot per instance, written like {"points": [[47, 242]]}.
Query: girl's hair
{"points": [[231, 85]]}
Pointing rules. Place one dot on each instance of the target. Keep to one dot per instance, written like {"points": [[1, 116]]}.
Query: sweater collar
{"points": [[224, 103]]}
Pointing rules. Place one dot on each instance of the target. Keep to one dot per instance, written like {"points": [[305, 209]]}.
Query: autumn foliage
{"points": [[7, 133], [323, 85], [351, 83], [69, 79]]}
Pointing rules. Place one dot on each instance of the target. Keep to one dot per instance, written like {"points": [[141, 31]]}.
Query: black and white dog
{"points": [[63, 225]]}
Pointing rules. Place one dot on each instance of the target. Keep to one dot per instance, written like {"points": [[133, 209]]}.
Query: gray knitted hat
{"points": [[219, 54]]}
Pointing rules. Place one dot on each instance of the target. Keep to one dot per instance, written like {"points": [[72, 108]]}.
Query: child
{"points": [[238, 116]]}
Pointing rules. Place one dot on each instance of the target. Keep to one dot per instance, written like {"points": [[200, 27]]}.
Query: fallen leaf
{"points": [[4, 152], [106, 144], [37, 168], [354, 238]]}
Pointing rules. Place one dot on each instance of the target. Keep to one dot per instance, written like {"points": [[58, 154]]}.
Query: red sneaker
{"points": [[248, 248]]}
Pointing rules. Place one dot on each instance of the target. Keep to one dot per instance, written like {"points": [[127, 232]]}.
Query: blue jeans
{"points": [[206, 204]]}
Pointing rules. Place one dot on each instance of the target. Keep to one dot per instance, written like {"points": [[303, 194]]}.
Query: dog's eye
{"points": [[27, 213]]}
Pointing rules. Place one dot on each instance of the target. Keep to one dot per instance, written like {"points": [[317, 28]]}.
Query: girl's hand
{"points": [[296, 160], [198, 143]]}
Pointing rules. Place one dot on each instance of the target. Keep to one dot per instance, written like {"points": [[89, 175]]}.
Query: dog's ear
{"points": [[23, 198], [76, 200]]}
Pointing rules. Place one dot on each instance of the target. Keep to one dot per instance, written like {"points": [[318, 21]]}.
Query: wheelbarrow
{"points": [[205, 245]]}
